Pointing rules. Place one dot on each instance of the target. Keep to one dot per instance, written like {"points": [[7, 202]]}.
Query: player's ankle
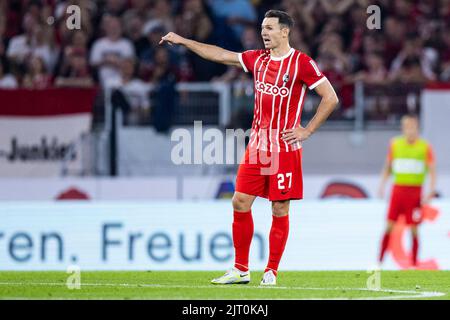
{"points": [[241, 268], [275, 272]]}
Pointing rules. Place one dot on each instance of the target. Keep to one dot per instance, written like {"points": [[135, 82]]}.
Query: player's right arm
{"points": [[386, 172], [206, 51]]}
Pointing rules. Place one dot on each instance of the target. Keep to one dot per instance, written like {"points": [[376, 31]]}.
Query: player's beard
{"points": [[268, 45], [271, 44]]}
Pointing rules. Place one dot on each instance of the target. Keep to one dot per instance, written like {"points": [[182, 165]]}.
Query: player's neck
{"points": [[411, 140], [280, 51]]}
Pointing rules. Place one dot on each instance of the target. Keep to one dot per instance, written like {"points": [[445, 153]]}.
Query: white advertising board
{"points": [[324, 235]]}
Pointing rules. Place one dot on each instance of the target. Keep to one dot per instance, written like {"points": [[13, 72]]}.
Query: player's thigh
{"points": [[412, 210], [394, 208], [287, 182], [250, 181]]}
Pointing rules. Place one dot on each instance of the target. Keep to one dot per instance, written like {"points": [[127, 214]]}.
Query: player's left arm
{"points": [[432, 193], [432, 176], [328, 103]]}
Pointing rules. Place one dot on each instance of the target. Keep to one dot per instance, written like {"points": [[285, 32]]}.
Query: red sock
{"points": [[415, 249], [384, 245], [242, 238], [277, 241]]}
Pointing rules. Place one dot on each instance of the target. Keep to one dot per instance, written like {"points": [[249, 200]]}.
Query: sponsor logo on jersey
{"points": [[408, 166], [271, 89]]}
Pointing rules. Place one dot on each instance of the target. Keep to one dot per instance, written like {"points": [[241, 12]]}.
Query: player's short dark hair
{"points": [[283, 18]]}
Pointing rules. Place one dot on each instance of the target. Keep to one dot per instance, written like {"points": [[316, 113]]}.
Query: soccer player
{"points": [[409, 160], [272, 164]]}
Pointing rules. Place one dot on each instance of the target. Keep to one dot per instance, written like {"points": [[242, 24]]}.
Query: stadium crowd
{"points": [[118, 40]]}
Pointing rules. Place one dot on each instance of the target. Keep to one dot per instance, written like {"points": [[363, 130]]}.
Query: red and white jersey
{"points": [[280, 88]]}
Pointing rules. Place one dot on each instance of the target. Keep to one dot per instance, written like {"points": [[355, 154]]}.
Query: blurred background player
{"points": [[410, 159], [281, 75]]}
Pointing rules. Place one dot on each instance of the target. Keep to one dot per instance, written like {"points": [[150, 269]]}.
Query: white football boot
{"points": [[269, 279], [233, 276]]}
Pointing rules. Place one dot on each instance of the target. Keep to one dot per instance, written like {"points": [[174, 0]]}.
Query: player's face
{"points": [[272, 33], [410, 128]]}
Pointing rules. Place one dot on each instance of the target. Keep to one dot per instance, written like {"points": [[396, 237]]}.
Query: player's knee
{"points": [[280, 208], [241, 203]]}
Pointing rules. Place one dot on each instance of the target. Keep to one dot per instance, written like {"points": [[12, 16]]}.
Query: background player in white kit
{"points": [[281, 75]]}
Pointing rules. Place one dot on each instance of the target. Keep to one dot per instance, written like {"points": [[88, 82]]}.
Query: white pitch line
{"points": [[408, 294]]}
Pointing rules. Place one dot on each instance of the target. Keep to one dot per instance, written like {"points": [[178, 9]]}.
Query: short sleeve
{"points": [[311, 74], [390, 155], [248, 58]]}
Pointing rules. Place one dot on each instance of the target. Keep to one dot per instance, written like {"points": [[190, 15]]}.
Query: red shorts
{"points": [[274, 176], [405, 200]]}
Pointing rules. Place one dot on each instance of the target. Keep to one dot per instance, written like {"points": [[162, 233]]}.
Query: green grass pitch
{"points": [[194, 285]]}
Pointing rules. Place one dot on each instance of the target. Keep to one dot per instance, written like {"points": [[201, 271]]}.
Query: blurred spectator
{"points": [[115, 7], [78, 43], [194, 22], [329, 65], [140, 8], [237, 13], [161, 11], [20, 46], [134, 25], [3, 43], [108, 52], [410, 71], [161, 67], [164, 95], [394, 33], [36, 77], [251, 40], [375, 72], [372, 42], [43, 46], [413, 49], [75, 71], [301, 13], [88, 12], [297, 41], [7, 81], [444, 10], [132, 95], [154, 32], [413, 45], [242, 113], [331, 44], [445, 55]]}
